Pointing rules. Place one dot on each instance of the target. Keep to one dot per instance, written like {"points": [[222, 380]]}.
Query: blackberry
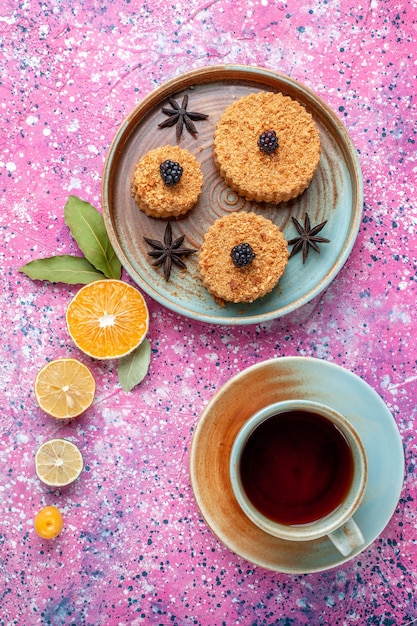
{"points": [[171, 172], [268, 142], [242, 254]]}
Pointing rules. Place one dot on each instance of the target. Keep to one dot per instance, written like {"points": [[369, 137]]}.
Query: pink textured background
{"points": [[135, 549]]}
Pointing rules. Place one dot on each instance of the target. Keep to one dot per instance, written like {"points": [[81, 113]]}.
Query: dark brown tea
{"points": [[296, 467]]}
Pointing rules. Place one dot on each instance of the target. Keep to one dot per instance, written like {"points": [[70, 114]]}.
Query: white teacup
{"points": [[298, 470]]}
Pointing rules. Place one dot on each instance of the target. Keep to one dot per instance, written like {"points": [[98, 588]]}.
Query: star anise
{"points": [[167, 252], [179, 115], [308, 237]]}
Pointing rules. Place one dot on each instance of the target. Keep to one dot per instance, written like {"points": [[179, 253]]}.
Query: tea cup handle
{"points": [[347, 538]]}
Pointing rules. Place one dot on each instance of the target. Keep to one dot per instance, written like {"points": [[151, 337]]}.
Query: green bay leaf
{"points": [[133, 367], [89, 231], [72, 270]]}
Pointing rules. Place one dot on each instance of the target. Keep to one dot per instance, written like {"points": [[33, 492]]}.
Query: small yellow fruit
{"points": [[48, 522]]}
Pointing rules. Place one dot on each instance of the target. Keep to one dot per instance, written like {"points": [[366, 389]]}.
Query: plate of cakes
{"points": [[232, 194]]}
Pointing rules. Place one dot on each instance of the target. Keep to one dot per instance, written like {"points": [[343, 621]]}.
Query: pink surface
{"points": [[134, 549]]}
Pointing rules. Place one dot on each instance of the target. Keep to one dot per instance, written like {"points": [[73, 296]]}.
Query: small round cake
{"points": [[267, 147], [172, 190], [242, 257]]}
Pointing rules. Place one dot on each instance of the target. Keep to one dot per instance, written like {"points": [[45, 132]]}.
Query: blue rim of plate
{"points": [[300, 283], [292, 377]]}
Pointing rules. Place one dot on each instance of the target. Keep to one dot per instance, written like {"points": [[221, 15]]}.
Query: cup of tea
{"points": [[298, 470]]}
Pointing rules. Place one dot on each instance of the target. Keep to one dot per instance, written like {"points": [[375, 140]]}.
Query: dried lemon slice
{"points": [[107, 319], [58, 462], [64, 388]]}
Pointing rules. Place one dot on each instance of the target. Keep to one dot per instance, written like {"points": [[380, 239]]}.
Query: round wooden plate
{"points": [[335, 194]]}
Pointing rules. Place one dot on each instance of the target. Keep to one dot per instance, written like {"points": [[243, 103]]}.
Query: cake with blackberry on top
{"points": [[267, 147], [167, 182], [242, 257]]}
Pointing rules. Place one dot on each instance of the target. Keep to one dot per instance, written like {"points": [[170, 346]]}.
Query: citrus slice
{"points": [[58, 462], [64, 388], [107, 319]]}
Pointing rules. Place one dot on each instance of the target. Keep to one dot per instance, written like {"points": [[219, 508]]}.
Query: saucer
{"points": [[283, 379]]}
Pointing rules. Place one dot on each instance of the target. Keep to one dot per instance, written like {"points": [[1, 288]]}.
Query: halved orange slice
{"points": [[107, 319], [64, 388], [58, 462]]}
